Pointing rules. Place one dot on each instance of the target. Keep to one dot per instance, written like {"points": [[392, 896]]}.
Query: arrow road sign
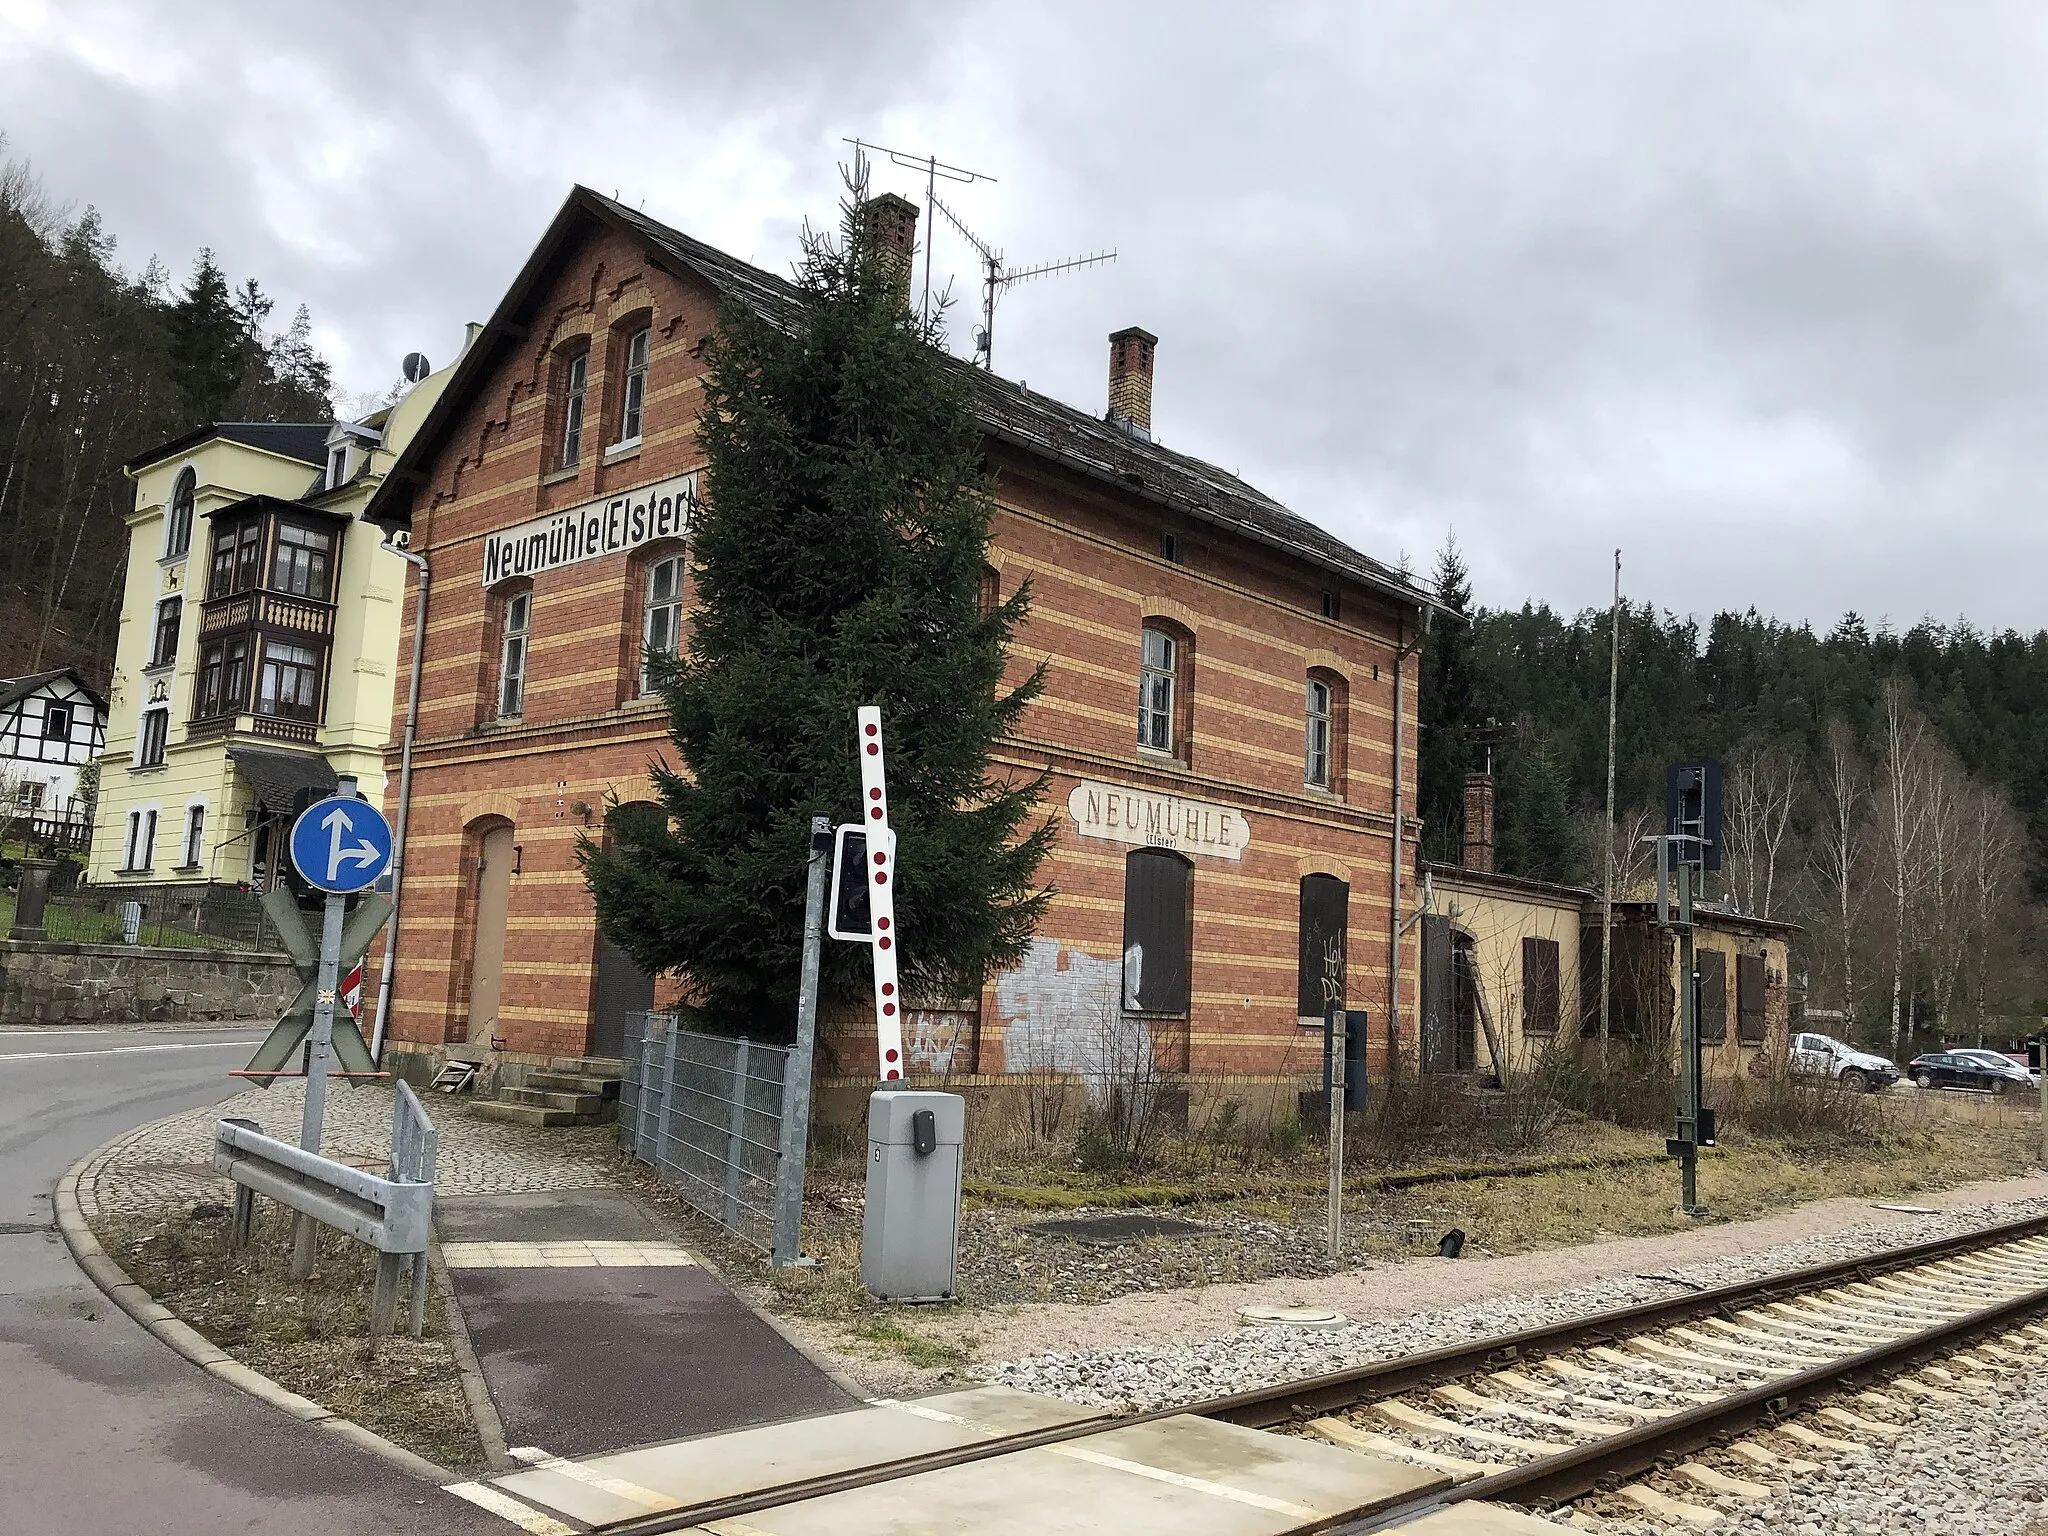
{"points": [[341, 845]]}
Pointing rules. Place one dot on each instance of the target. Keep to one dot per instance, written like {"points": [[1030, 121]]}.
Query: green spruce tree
{"points": [[838, 560], [207, 343], [1445, 712], [1538, 836]]}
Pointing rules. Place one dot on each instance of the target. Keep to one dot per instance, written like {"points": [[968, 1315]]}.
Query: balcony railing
{"points": [[275, 610]]}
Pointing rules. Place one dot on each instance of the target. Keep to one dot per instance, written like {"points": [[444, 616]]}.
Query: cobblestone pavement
{"points": [[170, 1163]]}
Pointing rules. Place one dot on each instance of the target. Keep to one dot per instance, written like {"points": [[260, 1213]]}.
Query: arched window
{"points": [[661, 624], [1324, 729], [178, 522], [635, 342], [517, 624], [573, 379]]}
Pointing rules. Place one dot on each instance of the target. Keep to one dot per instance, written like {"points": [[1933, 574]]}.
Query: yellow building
{"points": [[258, 648]]}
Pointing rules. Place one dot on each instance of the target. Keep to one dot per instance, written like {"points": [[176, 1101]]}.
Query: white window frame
{"points": [[661, 617], [53, 710], [512, 656], [633, 388], [141, 842], [575, 386], [162, 714], [1158, 679], [176, 548], [337, 465], [157, 629], [195, 834], [1319, 708]]}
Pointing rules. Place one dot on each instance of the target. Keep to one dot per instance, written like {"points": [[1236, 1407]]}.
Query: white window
{"points": [[156, 730], [141, 850], [512, 660], [337, 465], [634, 396], [1316, 758], [28, 794], [195, 834], [572, 414], [56, 722], [178, 530], [662, 631], [1155, 691]]}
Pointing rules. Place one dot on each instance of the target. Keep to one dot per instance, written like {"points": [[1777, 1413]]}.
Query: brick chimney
{"points": [[1130, 380], [1479, 822], [892, 228]]}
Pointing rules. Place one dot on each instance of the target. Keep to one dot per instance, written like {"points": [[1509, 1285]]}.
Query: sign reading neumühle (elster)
{"points": [[606, 527]]}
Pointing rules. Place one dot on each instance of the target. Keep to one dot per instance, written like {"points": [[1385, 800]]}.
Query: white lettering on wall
{"points": [[1146, 820], [663, 510]]}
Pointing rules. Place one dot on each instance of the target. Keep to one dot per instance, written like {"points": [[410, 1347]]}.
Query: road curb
{"points": [[483, 1411], [157, 1319]]}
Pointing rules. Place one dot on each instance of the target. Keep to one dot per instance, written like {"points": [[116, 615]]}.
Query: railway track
{"points": [[1673, 1407]]}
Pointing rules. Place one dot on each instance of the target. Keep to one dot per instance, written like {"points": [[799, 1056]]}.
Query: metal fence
{"points": [[706, 1112], [214, 917]]}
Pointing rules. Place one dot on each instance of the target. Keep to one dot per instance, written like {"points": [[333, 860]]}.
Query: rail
{"points": [[394, 1215]]}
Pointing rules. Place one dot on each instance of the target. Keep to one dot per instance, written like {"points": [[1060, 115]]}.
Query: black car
{"points": [[1984, 1070]]}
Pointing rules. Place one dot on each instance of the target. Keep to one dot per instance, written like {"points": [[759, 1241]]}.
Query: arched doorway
{"points": [[496, 856], [621, 990]]}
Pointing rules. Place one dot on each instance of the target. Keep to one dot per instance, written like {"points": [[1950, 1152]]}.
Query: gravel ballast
{"points": [[1137, 1378]]}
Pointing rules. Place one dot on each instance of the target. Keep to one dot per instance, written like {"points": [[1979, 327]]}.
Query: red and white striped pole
{"points": [[881, 872]]}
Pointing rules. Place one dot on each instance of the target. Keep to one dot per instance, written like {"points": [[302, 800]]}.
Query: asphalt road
{"points": [[103, 1430]]}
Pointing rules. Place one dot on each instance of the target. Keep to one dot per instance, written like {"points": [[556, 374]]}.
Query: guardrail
{"points": [[393, 1215]]}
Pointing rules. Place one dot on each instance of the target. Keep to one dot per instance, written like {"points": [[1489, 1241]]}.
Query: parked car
{"points": [[1825, 1056], [1986, 1071]]}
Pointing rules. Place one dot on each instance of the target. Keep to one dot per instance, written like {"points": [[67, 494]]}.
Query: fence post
{"points": [[735, 1136], [384, 1295], [793, 1145]]}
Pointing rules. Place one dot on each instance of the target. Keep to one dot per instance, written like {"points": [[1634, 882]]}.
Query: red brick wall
{"points": [[1092, 556]]}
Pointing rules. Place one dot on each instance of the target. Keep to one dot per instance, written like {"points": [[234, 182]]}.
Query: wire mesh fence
{"points": [[161, 917], [706, 1112]]}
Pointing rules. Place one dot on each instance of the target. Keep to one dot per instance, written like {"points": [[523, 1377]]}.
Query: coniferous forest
{"points": [[98, 363], [1887, 791]]}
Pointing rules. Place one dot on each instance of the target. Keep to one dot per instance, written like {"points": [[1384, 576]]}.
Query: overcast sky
{"points": [[1757, 292]]}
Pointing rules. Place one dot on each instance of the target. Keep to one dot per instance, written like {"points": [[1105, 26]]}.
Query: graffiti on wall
{"points": [[938, 1040], [1061, 1011]]}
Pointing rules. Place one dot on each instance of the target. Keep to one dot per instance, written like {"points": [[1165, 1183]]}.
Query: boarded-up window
{"points": [[1749, 999], [1713, 969], [1159, 893], [1325, 903], [1439, 1000], [1539, 986]]}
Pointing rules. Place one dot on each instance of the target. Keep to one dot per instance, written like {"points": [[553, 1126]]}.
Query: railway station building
{"points": [[1219, 715]]}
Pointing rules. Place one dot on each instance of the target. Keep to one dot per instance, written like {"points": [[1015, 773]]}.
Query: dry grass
{"points": [[311, 1338]]}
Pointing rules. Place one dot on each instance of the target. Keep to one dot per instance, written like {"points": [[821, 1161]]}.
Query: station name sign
{"points": [[1146, 820], [663, 510]]}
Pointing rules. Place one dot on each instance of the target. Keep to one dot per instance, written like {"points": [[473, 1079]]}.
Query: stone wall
{"points": [[51, 983]]}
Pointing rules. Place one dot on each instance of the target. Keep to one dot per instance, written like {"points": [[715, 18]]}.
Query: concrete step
{"points": [[574, 1082], [589, 1066], [590, 1104], [527, 1114]]}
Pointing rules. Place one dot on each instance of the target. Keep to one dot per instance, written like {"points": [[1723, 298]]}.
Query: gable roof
{"points": [[14, 689], [1007, 412], [305, 441]]}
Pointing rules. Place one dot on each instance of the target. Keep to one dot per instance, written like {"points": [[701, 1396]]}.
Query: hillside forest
{"points": [[1886, 791], [98, 364]]}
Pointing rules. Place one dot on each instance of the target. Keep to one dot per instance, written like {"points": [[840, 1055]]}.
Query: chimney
{"points": [[1479, 822], [891, 224], [1130, 380]]}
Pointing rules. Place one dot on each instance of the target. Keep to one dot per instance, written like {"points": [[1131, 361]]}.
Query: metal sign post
{"points": [[1337, 1054], [880, 867], [339, 845], [1690, 847], [793, 1144]]}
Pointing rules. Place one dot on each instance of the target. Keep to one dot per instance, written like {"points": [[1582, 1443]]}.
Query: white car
{"points": [[1825, 1056]]}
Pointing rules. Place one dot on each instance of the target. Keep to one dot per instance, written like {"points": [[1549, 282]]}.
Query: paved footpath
{"points": [[594, 1329]]}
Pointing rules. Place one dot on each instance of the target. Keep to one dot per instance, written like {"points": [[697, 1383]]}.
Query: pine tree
{"points": [[1445, 712], [207, 337], [302, 384], [1539, 837], [838, 561]]}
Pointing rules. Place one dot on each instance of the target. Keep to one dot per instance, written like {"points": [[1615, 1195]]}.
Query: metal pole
{"points": [[1688, 1048], [1607, 896], [320, 1048], [735, 1136], [794, 1143], [412, 727], [1335, 1015], [1394, 934]]}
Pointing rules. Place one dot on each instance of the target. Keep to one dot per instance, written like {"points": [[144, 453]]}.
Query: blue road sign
{"points": [[341, 845]]}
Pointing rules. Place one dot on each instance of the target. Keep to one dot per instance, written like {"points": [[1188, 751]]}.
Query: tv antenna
{"points": [[997, 278], [935, 170]]}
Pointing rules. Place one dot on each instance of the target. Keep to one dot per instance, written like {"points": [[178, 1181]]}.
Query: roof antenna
{"points": [[997, 278], [934, 170]]}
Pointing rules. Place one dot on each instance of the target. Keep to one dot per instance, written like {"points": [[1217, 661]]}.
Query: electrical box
{"points": [[910, 1230]]}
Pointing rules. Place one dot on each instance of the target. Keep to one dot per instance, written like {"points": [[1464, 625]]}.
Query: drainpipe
{"points": [[412, 726], [1403, 649]]}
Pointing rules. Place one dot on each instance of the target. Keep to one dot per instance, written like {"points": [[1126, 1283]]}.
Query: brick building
{"points": [[1222, 868]]}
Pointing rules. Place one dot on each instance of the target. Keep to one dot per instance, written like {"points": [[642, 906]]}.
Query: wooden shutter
{"points": [[1713, 969], [1749, 999], [1439, 1034], [1539, 986], [1158, 932], [1325, 909]]}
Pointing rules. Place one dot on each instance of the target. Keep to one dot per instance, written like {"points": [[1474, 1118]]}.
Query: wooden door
{"points": [[487, 952]]}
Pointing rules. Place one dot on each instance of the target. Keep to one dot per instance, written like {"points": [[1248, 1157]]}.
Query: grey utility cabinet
{"points": [[910, 1231]]}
